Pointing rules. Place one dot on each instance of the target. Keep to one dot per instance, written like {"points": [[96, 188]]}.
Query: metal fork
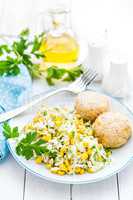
{"points": [[76, 87]]}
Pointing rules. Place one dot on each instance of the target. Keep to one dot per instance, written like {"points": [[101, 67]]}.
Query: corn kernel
{"points": [[48, 166], [90, 170], [67, 163], [77, 170], [58, 123], [38, 119], [99, 158], [78, 153], [62, 151], [69, 169], [82, 171], [89, 152], [61, 173], [90, 132], [40, 133], [84, 156], [28, 127], [63, 167], [54, 170], [85, 144], [39, 159], [72, 141], [58, 118], [46, 138], [70, 135]]}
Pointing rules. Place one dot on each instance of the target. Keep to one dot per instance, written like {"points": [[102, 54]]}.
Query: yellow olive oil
{"points": [[60, 49]]}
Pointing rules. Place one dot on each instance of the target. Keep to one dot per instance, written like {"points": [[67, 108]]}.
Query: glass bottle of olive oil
{"points": [[60, 44]]}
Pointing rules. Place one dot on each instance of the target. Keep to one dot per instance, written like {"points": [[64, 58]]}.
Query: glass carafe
{"points": [[60, 44]]}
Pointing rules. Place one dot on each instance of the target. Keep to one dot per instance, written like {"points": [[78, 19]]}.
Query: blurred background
{"points": [[114, 18]]}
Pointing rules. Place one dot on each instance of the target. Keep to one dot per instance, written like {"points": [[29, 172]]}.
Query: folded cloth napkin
{"points": [[13, 91], [3, 144]]}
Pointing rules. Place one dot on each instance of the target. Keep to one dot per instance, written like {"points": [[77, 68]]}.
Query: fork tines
{"points": [[88, 76]]}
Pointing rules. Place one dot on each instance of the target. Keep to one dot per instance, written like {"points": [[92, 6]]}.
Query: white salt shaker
{"points": [[115, 82], [97, 56]]}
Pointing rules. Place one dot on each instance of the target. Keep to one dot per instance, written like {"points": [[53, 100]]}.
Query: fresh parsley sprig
{"points": [[25, 50], [21, 51], [10, 132], [4, 48], [31, 145], [55, 73]]}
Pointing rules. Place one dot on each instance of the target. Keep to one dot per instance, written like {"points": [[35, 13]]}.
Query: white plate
{"points": [[120, 157]]}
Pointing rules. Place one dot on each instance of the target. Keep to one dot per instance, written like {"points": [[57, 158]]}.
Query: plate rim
{"points": [[70, 182], [126, 163]]}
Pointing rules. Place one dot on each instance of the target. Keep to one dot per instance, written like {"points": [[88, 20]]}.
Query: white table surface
{"points": [[18, 184]]}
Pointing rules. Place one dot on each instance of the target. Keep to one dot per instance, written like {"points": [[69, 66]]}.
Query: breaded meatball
{"points": [[89, 105], [112, 129]]}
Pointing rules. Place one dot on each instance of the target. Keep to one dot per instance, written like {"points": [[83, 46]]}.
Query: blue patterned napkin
{"points": [[13, 91], [3, 145]]}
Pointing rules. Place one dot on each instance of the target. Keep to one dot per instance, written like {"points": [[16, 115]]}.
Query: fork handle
{"points": [[13, 113], [128, 106]]}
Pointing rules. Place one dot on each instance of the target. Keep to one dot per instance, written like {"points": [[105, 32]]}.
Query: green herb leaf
{"points": [[15, 132], [31, 145], [27, 60], [9, 67], [10, 132], [39, 55], [45, 113], [6, 130], [36, 44], [5, 48], [55, 73], [49, 81], [20, 46], [25, 32]]}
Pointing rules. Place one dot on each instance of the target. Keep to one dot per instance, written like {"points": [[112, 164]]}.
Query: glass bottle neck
{"points": [[60, 19]]}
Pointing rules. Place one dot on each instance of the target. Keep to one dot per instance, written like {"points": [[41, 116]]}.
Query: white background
{"points": [[90, 18]]}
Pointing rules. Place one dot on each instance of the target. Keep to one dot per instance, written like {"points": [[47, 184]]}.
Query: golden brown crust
{"points": [[112, 129], [89, 105]]}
